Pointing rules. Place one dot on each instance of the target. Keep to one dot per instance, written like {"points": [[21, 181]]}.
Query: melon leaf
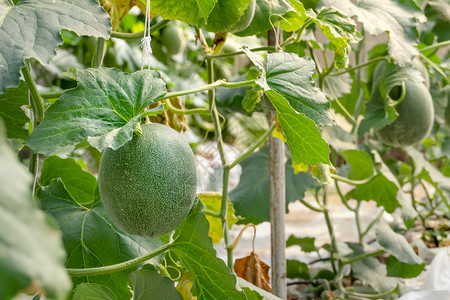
{"points": [[31, 29], [193, 246], [91, 239], [32, 257], [104, 108]]}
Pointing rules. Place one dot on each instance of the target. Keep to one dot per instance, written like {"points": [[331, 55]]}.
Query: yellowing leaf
{"points": [[254, 270], [213, 202]]}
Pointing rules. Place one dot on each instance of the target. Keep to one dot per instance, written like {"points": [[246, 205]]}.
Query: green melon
{"points": [[415, 120], [173, 39], [149, 184]]}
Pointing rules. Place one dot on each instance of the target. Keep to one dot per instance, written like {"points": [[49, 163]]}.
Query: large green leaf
{"points": [[193, 12], [267, 13], [287, 82], [379, 189], [104, 108], [32, 256], [251, 197], [149, 284], [361, 164], [290, 76], [92, 291], [91, 239], [397, 18], [31, 29], [404, 261], [225, 15], [81, 185], [371, 271], [11, 111], [193, 246]]}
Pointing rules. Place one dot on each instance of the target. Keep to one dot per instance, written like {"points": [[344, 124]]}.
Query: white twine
{"points": [[145, 42]]}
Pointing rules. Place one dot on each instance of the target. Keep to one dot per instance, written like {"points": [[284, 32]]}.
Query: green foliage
{"points": [[91, 238], [33, 29], [32, 256], [251, 197], [192, 245], [298, 102], [218, 98], [399, 19], [89, 291], [11, 103], [148, 284], [80, 185], [104, 108]]}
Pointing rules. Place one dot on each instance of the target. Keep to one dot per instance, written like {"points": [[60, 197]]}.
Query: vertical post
{"points": [[277, 204]]}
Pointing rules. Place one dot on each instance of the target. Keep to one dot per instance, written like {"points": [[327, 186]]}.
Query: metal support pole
{"points": [[277, 205]]}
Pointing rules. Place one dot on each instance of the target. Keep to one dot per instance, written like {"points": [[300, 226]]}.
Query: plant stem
{"points": [[372, 223], [118, 267], [311, 207], [375, 60], [212, 214], [334, 247], [36, 103], [350, 181], [187, 111], [434, 66], [37, 108], [209, 87], [226, 171], [437, 45], [363, 256], [358, 222], [209, 57], [344, 200], [253, 147], [140, 34], [52, 95], [302, 28]]}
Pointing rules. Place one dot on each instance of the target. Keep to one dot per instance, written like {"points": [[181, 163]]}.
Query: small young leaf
{"points": [[32, 28], [251, 98], [192, 245], [213, 202], [104, 108], [297, 269], [399, 19], [306, 243]]}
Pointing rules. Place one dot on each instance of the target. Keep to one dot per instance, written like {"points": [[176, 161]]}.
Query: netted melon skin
{"points": [[415, 120], [149, 185]]}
